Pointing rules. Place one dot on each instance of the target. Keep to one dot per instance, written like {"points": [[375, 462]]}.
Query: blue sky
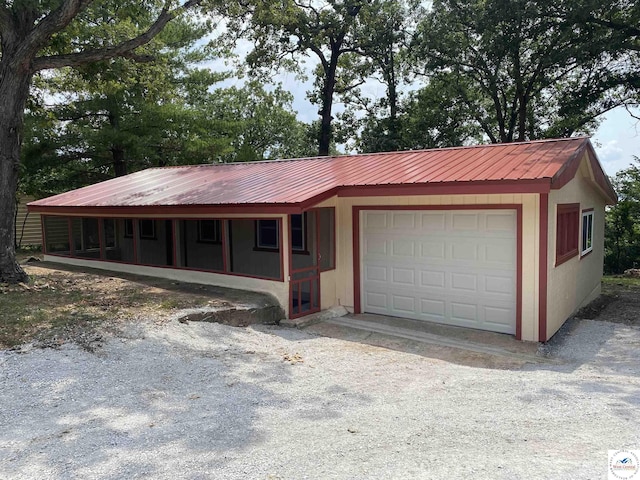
{"points": [[617, 140]]}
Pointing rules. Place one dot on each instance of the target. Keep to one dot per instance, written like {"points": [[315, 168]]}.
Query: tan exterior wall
{"points": [[577, 281], [342, 291], [31, 234]]}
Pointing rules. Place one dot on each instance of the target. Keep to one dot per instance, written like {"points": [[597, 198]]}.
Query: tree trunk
{"points": [[392, 94], [14, 91], [327, 105], [117, 150], [119, 162]]}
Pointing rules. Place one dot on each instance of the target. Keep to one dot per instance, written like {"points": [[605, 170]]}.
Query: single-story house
{"points": [[507, 238]]}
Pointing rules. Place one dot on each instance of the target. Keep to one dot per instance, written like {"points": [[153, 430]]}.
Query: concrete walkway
{"points": [[461, 345]]}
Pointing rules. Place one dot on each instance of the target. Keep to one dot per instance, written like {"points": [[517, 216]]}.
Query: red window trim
{"points": [[567, 232]]}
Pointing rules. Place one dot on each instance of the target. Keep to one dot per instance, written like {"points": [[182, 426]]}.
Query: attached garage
{"points": [[456, 267]]}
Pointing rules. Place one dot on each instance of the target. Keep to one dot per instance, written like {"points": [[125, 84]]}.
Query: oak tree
{"points": [[49, 34]]}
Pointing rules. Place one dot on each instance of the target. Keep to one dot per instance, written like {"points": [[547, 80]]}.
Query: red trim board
{"points": [[543, 253]]}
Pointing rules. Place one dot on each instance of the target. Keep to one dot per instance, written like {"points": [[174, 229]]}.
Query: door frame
{"points": [[314, 277], [357, 243]]}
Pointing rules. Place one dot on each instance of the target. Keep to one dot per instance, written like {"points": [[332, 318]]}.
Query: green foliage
{"points": [[622, 229], [383, 36], [524, 69], [432, 117], [264, 125], [284, 32]]}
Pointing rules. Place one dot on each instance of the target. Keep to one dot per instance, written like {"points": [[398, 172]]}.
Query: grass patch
{"points": [[28, 313], [620, 281], [31, 310], [61, 305]]}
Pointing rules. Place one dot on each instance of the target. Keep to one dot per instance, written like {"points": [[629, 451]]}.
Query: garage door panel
{"points": [[432, 278], [464, 221], [403, 276], [403, 303], [433, 308], [403, 248], [373, 273], [466, 282], [454, 267], [375, 220], [376, 300], [499, 285], [499, 252], [403, 220], [463, 252], [499, 223], [375, 246], [498, 318], [433, 250], [433, 222]]}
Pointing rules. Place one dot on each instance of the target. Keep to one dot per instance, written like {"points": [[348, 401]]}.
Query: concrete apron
{"points": [[460, 345]]}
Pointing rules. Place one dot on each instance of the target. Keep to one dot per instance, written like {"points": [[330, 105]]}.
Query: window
{"points": [[587, 232], [147, 229], [267, 234], [299, 232], [128, 228], [109, 226], [209, 231], [568, 221]]}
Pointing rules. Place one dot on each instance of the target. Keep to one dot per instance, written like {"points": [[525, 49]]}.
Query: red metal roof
{"points": [[300, 181]]}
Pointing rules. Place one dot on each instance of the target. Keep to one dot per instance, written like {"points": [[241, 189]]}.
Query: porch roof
{"points": [[299, 183]]}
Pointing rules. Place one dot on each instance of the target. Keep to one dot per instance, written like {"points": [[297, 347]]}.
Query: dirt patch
{"points": [[620, 301], [63, 304]]}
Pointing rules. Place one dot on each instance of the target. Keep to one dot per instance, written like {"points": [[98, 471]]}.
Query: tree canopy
{"points": [[52, 34], [622, 229], [91, 90], [523, 69]]}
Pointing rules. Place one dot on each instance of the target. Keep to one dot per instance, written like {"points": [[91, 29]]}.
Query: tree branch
{"points": [[54, 22], [122, 49]]}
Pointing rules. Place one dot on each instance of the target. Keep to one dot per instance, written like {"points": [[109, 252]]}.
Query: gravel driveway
{"points": [[200, 401]]}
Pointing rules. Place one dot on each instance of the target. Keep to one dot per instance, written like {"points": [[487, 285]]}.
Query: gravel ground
{"points": [[200, 401]]}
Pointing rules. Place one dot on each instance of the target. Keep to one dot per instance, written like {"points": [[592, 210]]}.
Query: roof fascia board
{"points": [[168, 210], [449, 188], [598, 177]]}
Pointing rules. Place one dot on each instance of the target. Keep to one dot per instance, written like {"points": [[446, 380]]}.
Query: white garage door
{"points": [[456, 267]]}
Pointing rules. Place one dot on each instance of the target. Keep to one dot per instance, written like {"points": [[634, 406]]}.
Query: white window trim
{"points": [[586, 215]]}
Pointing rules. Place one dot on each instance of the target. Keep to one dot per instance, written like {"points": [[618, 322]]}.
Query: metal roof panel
{"points": [[298, 180]]}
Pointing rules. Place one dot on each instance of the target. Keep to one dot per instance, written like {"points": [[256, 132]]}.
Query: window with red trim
{"points": [[567, 232]]}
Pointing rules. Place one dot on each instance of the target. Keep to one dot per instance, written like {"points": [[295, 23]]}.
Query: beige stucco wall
{"points": [[341, 292], [577, 281]]}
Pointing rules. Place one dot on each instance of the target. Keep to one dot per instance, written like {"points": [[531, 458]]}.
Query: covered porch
{"points": [[279, 254]]}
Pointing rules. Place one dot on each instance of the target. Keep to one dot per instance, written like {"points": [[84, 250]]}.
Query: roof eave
{"points": [[570, 167]]}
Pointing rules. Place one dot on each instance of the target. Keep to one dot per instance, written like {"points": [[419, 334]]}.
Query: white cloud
{"points": [[617, 141]]}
